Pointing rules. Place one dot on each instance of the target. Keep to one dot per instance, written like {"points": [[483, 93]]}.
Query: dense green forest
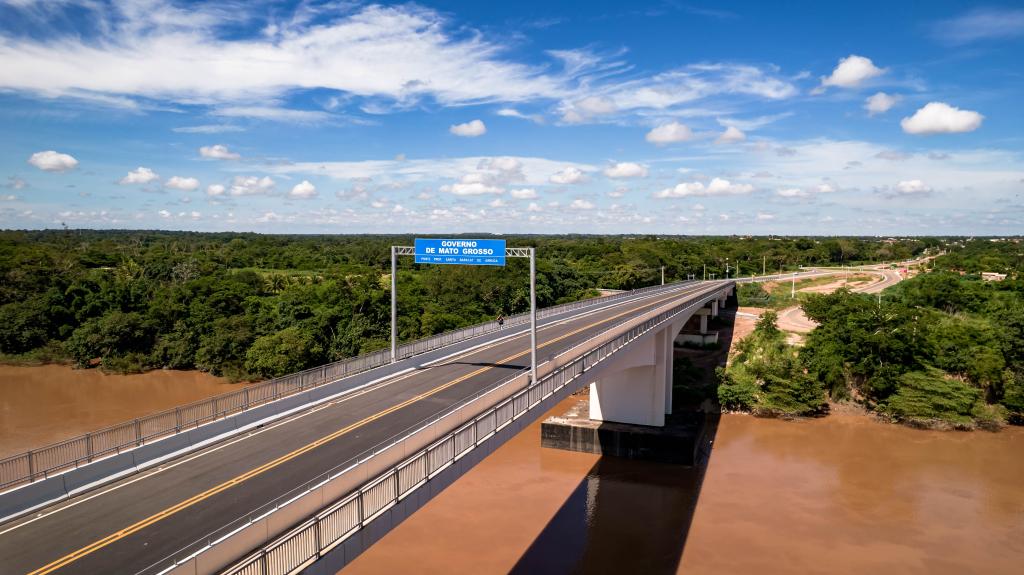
{"points": [[938, 349], [252, 306]]}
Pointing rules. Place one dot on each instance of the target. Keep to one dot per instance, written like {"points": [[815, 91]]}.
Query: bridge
{"points": [[303, 473]]}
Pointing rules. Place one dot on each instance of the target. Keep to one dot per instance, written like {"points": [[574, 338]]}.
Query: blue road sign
{"points": [[460, 252]]}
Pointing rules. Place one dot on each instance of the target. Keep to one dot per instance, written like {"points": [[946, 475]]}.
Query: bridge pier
{"points": [[639, 389]]}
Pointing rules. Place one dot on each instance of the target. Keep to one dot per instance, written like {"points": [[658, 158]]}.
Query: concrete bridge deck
{"points": [[127, 526]]}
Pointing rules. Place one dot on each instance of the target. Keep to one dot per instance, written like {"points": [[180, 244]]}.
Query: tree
{"points": [[286, 351]]}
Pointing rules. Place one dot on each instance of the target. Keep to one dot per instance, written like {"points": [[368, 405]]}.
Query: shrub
{"points": [[922, 397]]}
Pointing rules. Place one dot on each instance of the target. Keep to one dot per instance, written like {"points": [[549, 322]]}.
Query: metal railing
{"points": [[71, 453], [334, 524]]}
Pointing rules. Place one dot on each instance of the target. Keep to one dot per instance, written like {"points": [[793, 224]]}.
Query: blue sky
{"points": [[556, 117]]}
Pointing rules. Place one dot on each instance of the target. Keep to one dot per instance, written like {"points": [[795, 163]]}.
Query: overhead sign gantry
{"points": [[464, 252]]}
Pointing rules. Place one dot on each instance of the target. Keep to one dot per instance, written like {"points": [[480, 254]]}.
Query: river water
{"points": [[842, 494], [40, 405]]}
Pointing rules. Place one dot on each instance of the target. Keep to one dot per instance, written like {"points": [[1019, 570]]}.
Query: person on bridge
{"points": [[501, 321]]}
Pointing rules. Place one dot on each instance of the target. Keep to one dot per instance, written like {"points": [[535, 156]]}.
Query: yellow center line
{"points": [[117, 535]]}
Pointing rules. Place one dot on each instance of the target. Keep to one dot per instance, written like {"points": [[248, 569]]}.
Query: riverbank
{"points": [[43, 404]]}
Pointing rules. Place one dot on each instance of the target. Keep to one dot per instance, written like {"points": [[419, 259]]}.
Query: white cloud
{"points": [[626, 170], [470, 129], [140, 175], [851, 72], [475, 184], [581, 204], [273, 114], [165, 214], [664, 93], [596, 105], [980, 24], [880, 103], [913, 187], [824, 188], [215, 190], [717, 187], [514, 113], [588, 108], [669, 133], [303, 190], [763, 217], [523, 194], [208, 129], [497, 203], [159, 50], [218, 152], [731, 135], [251, 186], [16, 183], [51, 161], [533, 171], [618, 192], [793, 193], [569, 175], [534, 207], [941, 118], [182, 183]]}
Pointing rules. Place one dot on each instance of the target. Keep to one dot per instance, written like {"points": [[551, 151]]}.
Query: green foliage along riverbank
{"points": [[767, 376], [251, 306], [944, 349]]}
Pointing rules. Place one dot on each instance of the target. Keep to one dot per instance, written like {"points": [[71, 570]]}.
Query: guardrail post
{"points": [[316, 533], [177, 420], [88, 446], [138, 433], [31, 467]]}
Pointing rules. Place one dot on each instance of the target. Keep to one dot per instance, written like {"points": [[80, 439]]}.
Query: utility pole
{"points": [[662, 275], [726, 268], [792, 291], [705, 272], [394, 305], [533, 315], [764, 265]]}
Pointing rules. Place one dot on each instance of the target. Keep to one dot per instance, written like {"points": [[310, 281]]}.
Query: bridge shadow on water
{"points": [[633, 516]]}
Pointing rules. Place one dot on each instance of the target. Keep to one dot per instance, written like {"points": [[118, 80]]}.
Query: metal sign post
{"points": [[464, 252]]}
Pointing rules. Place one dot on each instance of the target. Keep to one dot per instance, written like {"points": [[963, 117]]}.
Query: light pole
{"points": [[662, 275], [533, 315], [394, 305], [792, 291], [726, 268]]}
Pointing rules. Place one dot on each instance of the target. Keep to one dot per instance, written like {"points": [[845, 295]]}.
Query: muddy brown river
{"points": [[44, 404], [843, 494]]}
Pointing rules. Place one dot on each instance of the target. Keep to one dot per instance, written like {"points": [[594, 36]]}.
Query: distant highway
{"points": [[795, 320]]}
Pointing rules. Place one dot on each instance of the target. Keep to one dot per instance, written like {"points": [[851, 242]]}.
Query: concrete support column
{"points": [[670, 360], [633, 389], [714, 308]]}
